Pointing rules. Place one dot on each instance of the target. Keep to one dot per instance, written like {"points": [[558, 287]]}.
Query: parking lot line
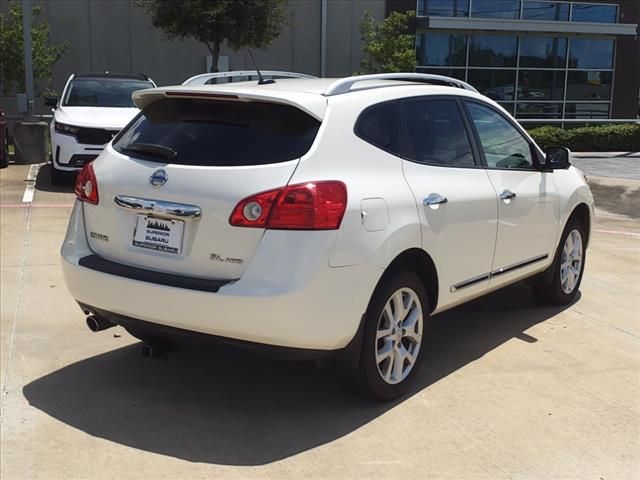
{"points": [[618, 232], [29, 190], [23, 261], [37, 205]]}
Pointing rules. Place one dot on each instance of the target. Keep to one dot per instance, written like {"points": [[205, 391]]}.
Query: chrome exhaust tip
{"points": [[97, 324]]}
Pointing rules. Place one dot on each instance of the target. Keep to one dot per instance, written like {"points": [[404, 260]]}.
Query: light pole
{"points": [[28, 54], [29, 137]]}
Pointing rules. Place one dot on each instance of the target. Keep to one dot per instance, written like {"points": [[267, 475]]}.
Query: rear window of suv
{"points": [[218, 133]]}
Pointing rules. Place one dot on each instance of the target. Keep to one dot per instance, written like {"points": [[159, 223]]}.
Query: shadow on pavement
{"points": [[617, 199], [224, 407], [43, 181]]}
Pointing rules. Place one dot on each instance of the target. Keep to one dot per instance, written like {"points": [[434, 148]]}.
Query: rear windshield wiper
{"points": [[151, 149]]}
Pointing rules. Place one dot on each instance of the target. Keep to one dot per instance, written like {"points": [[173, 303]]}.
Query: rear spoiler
{"points": [[310, 103]]}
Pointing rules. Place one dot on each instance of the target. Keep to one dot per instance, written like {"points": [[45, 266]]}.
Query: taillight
{"points": [[305, 206], [86, 185]]}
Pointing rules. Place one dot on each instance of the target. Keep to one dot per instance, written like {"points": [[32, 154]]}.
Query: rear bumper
{"points": [[274, 303], [172, 337]]}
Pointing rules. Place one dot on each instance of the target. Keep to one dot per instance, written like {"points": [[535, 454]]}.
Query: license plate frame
{"points": [[158, 234]]}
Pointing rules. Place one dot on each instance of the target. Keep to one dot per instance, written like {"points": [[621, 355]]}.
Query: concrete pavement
{"points": [[509, 389], [608, 164]]}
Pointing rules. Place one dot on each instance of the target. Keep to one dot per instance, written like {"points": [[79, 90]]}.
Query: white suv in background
{"points": [[93, 108], [320, 217]]}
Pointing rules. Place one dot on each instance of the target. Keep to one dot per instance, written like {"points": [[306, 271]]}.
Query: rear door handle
{"points": [[507, 195], [434, 199]]}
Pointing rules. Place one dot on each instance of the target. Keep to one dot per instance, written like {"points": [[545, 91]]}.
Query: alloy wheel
{"points": [[399, 336], [571, 264]]}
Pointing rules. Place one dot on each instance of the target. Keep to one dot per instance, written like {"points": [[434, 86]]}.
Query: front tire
{"points": [[394, 329], [559, 285]]}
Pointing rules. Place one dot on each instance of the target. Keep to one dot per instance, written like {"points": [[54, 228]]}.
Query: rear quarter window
{"points": [[378, 126], [220, 133]]}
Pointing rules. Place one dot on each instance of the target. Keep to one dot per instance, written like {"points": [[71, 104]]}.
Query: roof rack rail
{"points": [[344, 85], [203, 78]]}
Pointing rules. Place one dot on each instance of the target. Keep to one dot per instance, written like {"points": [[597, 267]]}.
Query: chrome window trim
{"points": [[495, 273]]}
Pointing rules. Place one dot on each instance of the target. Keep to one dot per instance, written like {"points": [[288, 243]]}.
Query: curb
{"points": [[605, 154]]}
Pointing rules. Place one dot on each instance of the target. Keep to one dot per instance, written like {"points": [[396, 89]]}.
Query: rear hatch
{"points": [[172, 178]]}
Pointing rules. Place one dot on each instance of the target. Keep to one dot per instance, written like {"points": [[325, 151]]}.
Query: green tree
{"points": [[45, 54], [246, 23], [389, 45]]}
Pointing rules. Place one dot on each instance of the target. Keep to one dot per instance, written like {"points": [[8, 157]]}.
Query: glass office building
{"points": [[540, 59]]}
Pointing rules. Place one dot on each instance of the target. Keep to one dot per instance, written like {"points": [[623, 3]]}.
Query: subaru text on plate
{"points": [[93, 109], [320, 217]]}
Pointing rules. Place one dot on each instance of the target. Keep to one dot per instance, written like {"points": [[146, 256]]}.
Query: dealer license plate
{"points": [[158, 234]]}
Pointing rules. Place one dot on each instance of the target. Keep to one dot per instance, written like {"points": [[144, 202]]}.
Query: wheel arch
{"points": [[413, 260], [582, 213], [420, 262]]}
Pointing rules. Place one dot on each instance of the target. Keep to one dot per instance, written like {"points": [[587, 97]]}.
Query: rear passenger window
{"points": [[437, 134], [377, 125]]}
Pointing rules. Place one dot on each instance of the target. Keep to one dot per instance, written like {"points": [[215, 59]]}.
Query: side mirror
{"points": [[557, 158], [50, 100]]}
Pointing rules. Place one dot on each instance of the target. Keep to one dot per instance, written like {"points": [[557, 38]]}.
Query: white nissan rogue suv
{"points": [[320, 217]]}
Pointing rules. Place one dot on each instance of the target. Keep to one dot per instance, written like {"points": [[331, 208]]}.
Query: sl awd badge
{"points": [[159, 178]]}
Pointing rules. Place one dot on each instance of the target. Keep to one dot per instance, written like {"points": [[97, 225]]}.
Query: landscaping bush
{"points": [[605, 138]]}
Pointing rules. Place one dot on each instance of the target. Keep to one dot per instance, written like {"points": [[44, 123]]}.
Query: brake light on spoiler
{"points": [[221, 96], [304, 206]]}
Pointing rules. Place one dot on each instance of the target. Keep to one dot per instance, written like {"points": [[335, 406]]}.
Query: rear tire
{"points": [[393, 337], [560, 283]]}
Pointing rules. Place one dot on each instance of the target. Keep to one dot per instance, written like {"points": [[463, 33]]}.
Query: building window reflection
{"points": [[548, 10], [594, 13], [558, 11], [540, 85], [531, 75], [543, 52], [498, 85], [493, 50], [444, 8], [441, 49], [509, 9], [587, 110], [591, 53], [589, 85], [539, 110]]}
